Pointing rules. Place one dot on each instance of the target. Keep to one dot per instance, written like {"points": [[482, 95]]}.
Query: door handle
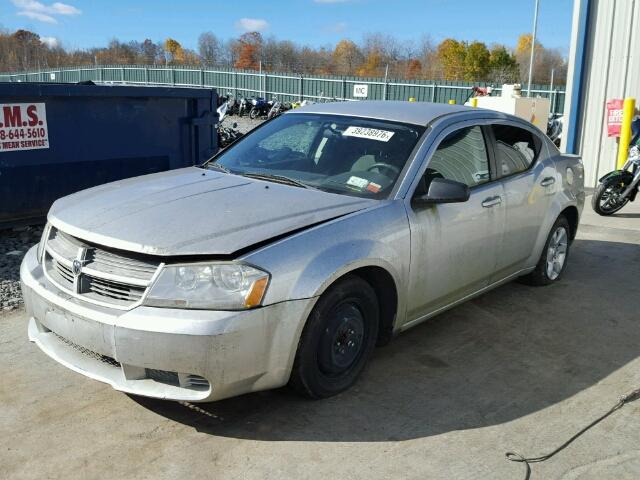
{"points": [[548, 182], [492, 201]]}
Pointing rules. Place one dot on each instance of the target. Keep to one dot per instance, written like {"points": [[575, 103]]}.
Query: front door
{"points": [[454, 246]]}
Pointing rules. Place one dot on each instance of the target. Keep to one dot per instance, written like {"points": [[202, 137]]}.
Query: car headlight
{"points": [[43, 239], [208, 286]]}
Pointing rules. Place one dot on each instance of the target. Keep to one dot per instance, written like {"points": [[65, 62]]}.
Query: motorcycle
{"points": [[554, 128], [277, 108], [620, 187], [233, 104], [260, 108], [226, 135], [244, 106]]}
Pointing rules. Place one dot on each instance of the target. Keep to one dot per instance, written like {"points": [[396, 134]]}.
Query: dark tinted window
{"points": [[516, 149], [462, 156]]}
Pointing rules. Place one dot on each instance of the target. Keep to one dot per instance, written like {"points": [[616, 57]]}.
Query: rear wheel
{"points": [[606, 198], [337, 340], [553, 259], [254, 113]]}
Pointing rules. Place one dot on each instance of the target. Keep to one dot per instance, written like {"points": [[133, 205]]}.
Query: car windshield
{"points": [[340, 154]]}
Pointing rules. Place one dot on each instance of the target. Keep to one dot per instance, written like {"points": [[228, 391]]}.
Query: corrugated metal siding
{"points": [[612, 70], [287, 86]]}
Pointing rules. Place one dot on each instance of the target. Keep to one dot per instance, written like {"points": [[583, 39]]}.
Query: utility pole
{"points": [[533, 46]]}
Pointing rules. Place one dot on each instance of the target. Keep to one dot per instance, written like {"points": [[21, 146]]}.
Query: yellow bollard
{"points": [[628, 110], [474, 102], [412, 99], [452, 102]]}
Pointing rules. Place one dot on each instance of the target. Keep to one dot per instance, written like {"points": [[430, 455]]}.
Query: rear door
{"points": [[528, 178], [454, 246]]}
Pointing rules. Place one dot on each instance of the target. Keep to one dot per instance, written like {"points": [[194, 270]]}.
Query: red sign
{"points": [[614, 117]]}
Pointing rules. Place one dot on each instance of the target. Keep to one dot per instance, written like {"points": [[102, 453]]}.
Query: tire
{"points": [[254, 113], [545, 273], [326, 363], [600, 195]]}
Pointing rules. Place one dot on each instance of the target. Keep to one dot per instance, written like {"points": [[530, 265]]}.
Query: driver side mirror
{"points": [[443, 190]]}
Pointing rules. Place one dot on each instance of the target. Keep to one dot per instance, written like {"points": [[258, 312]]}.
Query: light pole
{"points": [[533, 46]]}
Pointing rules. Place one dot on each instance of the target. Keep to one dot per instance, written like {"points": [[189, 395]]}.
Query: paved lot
{"points": [[519, 368]]}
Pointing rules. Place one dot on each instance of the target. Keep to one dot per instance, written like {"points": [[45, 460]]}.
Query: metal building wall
{"points": [[610, 69]]}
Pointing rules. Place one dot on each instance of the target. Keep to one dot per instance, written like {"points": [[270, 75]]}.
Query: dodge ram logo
{"points": [[76, 267]]}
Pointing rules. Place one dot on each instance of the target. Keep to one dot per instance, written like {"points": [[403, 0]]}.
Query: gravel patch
{"points": [[244, 123], [14, 243]]}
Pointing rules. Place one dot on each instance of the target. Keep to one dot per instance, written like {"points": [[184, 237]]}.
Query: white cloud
{"points": [[42, 12], [42, 17], [252, 24], [50, 42]]}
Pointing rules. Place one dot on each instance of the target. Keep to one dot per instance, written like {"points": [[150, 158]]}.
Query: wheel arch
{"points": [[573, 217]]}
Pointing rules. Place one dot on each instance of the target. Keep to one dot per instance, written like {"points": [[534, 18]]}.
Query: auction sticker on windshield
{"points": [[23, 126], [372, 133]]}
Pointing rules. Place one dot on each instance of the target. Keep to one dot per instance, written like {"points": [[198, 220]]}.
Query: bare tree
{"points": [[209, 48]]}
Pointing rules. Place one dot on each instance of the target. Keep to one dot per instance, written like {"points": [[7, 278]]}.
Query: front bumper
{"points": [[190, 355]]}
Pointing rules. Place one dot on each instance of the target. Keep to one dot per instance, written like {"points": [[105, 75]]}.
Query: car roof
{"points": [[417, 113]]}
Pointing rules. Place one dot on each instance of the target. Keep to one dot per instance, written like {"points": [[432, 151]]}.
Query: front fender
{"points": [[305, 264], [622, 176]]}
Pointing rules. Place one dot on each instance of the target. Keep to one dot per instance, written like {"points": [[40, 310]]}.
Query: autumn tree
{"points": [[414, 69], [452, 56], [346, 57], [476, 62], [249, 50], [371, 66], [173, 51]]}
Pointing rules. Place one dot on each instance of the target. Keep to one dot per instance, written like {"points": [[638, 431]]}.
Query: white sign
{"points": [[361, 91], [23, 126], [371, 133]]}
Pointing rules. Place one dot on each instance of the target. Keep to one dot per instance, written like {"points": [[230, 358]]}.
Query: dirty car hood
{"points": [[194, 212]]}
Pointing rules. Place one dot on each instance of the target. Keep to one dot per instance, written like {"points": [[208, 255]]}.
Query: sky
{"points": [[92, 23]]}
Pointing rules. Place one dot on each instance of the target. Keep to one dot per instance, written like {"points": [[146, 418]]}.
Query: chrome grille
{"points": [[110, 277]]}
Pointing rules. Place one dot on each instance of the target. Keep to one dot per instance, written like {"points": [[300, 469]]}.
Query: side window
{"points": [[461, 156], [516, 149]]}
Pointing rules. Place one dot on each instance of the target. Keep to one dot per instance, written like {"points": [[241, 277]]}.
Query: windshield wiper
{"points": [[218, 167], [275, 178]]}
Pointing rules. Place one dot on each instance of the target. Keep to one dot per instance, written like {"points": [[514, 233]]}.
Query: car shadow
{"points": [[504, 355]]}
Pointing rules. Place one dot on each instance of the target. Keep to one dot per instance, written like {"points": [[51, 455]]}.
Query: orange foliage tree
{"points": [[249, 49]]}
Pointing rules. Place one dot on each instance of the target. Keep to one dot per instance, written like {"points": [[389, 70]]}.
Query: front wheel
{"points": [[606, 198], [553, 259], [254, 113], [337, 340]]}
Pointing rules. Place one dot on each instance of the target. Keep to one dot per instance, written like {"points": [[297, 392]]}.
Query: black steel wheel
{"points": [[337, 340]]}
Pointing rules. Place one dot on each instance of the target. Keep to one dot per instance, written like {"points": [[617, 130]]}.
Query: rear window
{"points": [[516, 149]]}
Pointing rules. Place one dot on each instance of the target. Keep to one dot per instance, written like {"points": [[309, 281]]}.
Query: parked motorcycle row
{"points": [[259, 107]]}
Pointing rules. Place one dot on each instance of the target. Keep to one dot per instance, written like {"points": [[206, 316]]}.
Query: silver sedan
{"points": [[288, 256]]}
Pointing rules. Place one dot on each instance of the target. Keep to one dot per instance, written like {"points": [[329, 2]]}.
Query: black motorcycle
{"points": [[620, 187]]}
